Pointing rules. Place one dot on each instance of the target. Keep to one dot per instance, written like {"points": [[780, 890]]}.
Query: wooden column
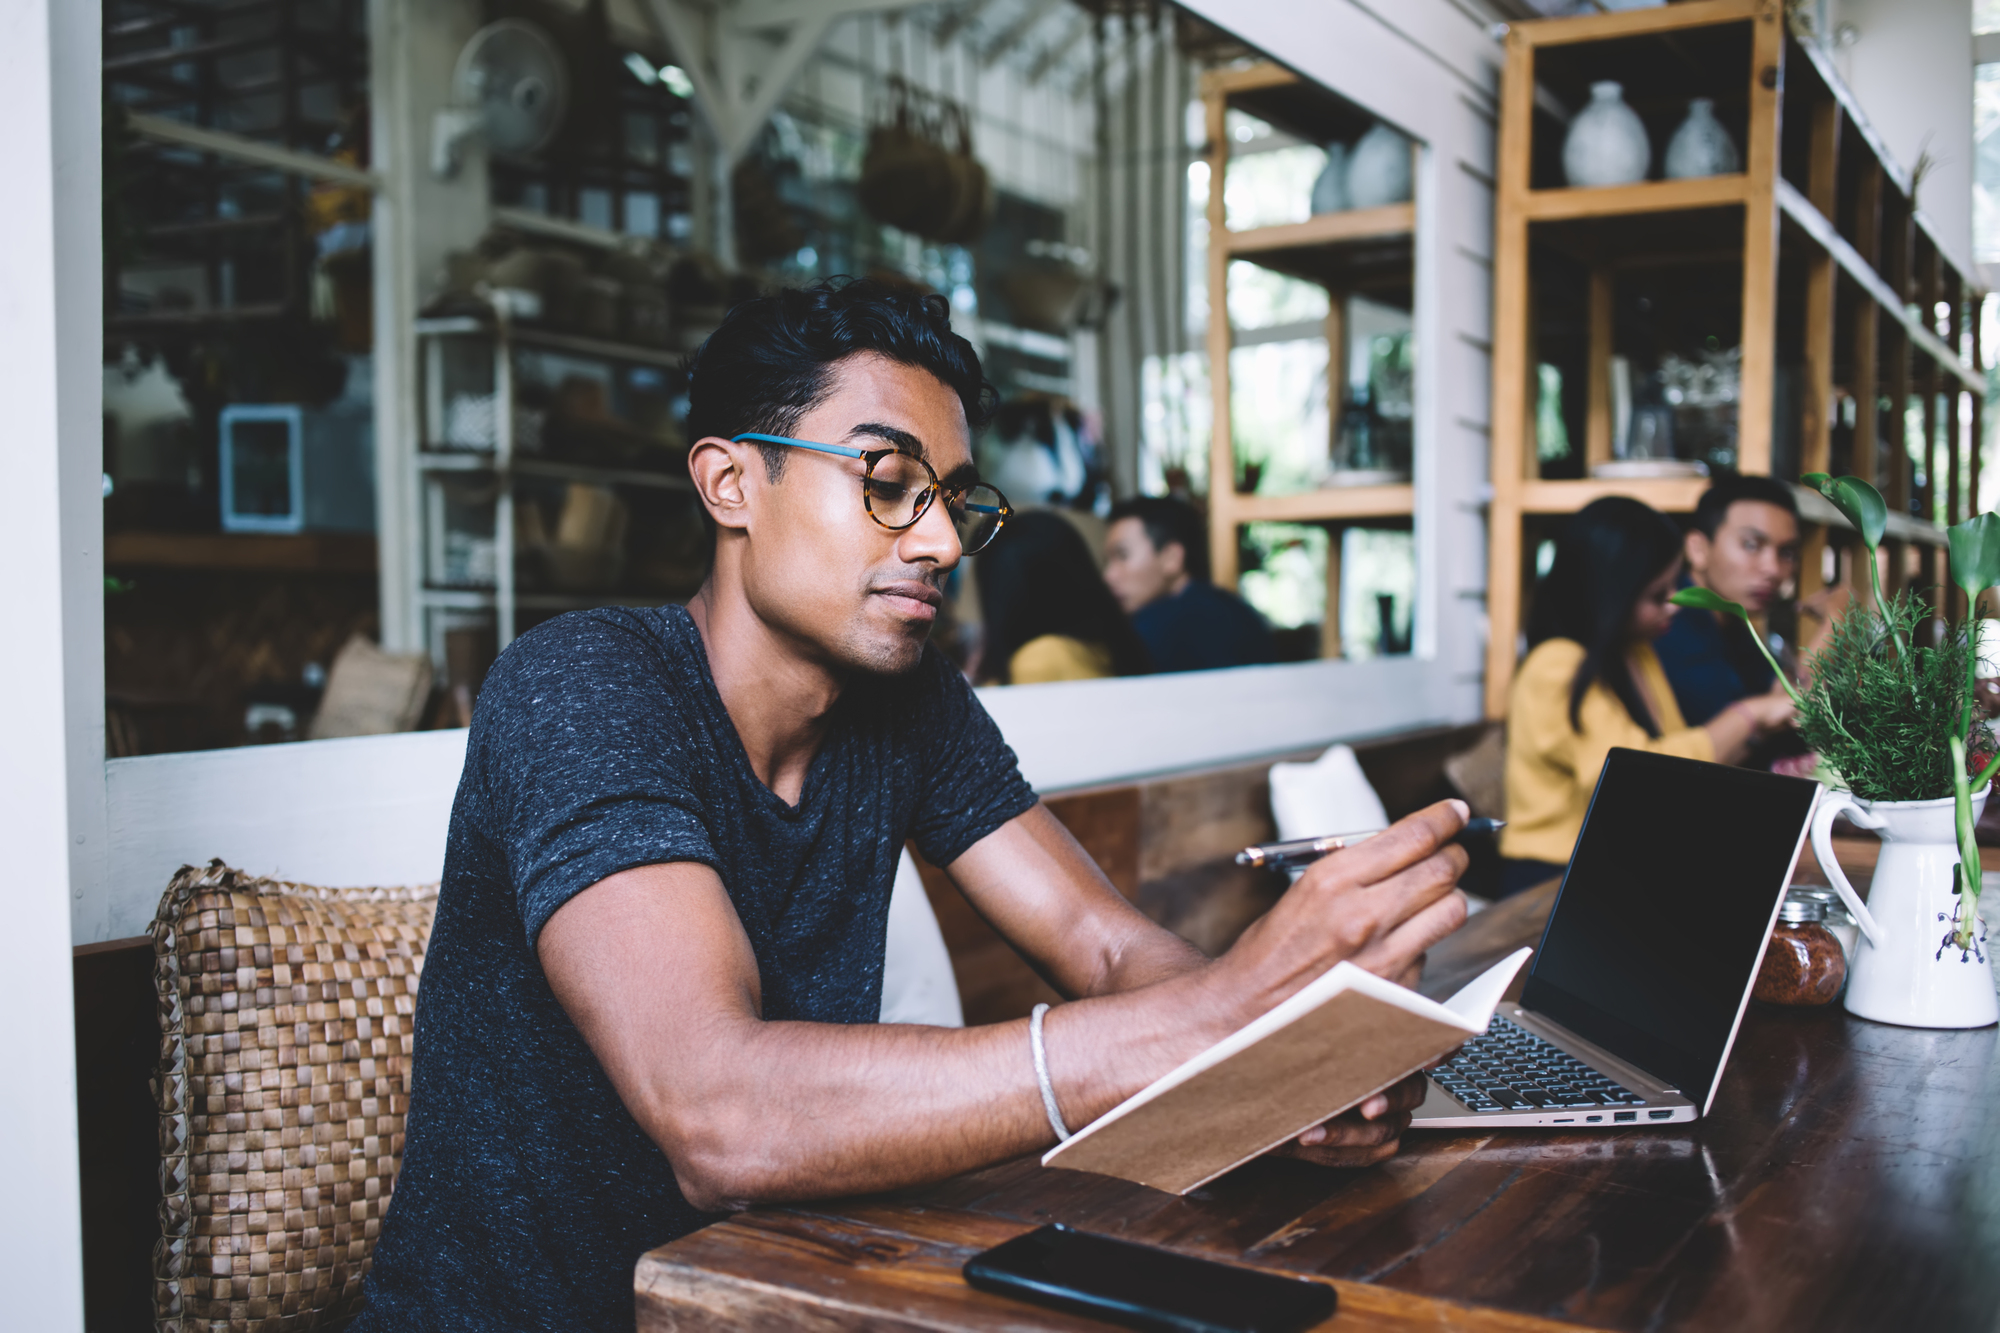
{"points": [[1336, 366], [1760, 245], [1816, 394], [1978, 441], [1508, 417], [1222, 443], [1329, 628], [1899, 235], [1597, 400], [1954, 293], [1865, 350]]}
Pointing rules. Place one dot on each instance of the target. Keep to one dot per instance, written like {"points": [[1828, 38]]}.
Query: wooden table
{"points": [[1847, 1178]]}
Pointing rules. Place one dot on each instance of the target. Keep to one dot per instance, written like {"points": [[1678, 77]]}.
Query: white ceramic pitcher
{"points": [[1903, 970]]}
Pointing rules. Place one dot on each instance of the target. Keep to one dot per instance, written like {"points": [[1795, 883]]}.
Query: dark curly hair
{"points": [[768, 364]]}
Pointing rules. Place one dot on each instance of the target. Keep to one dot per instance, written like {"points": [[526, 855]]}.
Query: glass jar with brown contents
{"points": [[1804, 964]]}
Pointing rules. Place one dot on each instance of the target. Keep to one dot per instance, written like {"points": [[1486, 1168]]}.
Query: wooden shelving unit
{"points": [[1849, 319], [1365, 251], [499, 475]]}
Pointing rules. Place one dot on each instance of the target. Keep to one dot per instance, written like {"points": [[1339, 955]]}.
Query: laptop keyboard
{"points": [[1511, 1069]]}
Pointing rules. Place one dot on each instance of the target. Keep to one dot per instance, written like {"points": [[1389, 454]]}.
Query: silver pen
{"points": [[1304, 851]]}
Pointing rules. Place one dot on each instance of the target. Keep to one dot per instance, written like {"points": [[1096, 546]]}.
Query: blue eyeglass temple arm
{"points": [[845, 451]]}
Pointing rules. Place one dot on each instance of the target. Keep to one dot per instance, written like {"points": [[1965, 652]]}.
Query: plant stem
{"points": [[1970, 880], [1882, 610], [1765, 649]]}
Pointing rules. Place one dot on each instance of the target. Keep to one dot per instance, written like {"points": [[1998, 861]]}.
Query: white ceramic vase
{"points": [[1330, 190], [1378, 169], [1905, 970], [1607, 144], [1701, 147]]}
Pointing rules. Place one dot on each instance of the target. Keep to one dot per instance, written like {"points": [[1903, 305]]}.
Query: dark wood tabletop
{"points": [[1848, 1177]]}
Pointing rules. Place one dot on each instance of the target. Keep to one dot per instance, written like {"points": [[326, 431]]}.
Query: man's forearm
{"points": [[800, 1110]]}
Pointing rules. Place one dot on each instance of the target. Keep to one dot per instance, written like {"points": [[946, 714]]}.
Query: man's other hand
{"points": [[1368, 1134]]}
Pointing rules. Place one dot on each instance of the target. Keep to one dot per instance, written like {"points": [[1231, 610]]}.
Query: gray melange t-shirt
{"points": [[527, 1192]]}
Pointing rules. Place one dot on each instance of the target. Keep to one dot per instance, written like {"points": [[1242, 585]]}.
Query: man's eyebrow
{"points": [[895, 437]]}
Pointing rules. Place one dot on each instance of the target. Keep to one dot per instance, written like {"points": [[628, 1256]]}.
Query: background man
{"points": [[1743, 545], [1156, 561], [651, 993]]}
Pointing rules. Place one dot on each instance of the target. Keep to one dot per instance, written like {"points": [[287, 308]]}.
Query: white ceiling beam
{"points": [[242, 148], [742, 57], [1011, 38], [1053, 54], [960, 19]]}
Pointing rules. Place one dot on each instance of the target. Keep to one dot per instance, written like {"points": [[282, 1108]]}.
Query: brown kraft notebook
{"points": [[1338, 1041]]}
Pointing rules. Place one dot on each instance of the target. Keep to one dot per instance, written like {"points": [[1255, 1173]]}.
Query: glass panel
{"points": [[1271, 175], [260, 468]]}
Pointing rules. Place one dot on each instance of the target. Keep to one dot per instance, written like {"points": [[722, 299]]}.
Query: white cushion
{"points": [[918, 985], [1328, 795]]}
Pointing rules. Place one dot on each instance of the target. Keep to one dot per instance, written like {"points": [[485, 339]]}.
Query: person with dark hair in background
{"points": [[1591, 682], [1743, 545], [1156, 561], [653, 991], [1048, 615]]}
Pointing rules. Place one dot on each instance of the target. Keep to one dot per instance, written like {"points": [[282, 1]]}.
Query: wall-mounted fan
{"points": [[511, 88]]}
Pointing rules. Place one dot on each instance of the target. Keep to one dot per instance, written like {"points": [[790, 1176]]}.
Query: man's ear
{"points": [[717, 467], [1173, 560], [1697, 547]]}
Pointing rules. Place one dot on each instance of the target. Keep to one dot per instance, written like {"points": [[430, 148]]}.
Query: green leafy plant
{"points": [[1890, 717]]}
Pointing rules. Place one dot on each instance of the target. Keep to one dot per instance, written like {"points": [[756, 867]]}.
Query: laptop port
{"points": [[1659, 1115], [1565, 1120], [1593, 1119], [1624, 1115]]}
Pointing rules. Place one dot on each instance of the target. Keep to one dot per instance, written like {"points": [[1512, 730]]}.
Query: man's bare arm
{"points": [[654, 968], [1036, 885]]}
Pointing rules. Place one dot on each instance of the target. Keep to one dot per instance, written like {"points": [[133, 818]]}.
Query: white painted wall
{"points": [[52, 729], [373, 810], [1911, 71]]}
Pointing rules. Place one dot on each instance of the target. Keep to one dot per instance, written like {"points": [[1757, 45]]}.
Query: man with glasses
{"points": [[651, 992]]}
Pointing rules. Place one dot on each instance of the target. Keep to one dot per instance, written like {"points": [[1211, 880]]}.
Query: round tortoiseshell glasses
{"points": [[897, 490]]}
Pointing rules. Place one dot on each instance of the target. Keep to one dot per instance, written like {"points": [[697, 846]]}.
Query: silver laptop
{"points": [[1633, 999]]}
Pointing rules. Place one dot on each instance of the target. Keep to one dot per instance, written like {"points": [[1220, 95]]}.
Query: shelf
{"points": [[1329, 502], [1669, 495], [1369, 250], [539, 467], [1354, 224], [1816, 225], [528, 335], [242, 552], [1610, 201], [1636, 22], [1677, 495], [482, 599]]}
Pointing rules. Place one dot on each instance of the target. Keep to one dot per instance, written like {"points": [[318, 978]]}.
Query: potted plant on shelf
{"points": [[1891, 717]]}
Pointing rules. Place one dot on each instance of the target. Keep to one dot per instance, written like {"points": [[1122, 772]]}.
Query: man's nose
{"points": [[933, 538]]}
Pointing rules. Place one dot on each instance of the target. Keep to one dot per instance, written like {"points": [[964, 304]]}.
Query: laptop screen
{"points": [[1658, 926]]}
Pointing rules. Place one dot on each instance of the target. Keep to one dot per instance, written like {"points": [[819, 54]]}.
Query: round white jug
{"points": [[1701, 147], [1378, 169], [1905, 969], [1329, 192], [1607, 142]]}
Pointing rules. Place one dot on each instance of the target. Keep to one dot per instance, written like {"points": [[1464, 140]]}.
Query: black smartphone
{"points": [[1141, 1286]]}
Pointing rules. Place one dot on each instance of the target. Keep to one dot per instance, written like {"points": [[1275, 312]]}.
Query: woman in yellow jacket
{"points": [[1592, 682], [1049, 615]]}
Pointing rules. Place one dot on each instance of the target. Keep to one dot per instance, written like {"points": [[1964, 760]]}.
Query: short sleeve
{"points": [[971, 782], [579, 754]]}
